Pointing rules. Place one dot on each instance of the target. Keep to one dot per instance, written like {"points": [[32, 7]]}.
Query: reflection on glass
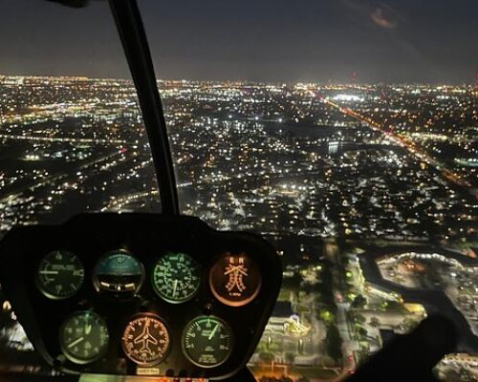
{"points": [[357, 160]]}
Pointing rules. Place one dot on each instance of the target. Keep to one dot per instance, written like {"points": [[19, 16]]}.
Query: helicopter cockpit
{"points": [[136, 294], [141, 294], [379, 278]]}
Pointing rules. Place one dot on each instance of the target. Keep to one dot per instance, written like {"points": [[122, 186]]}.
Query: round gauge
{"points": [[60, 275], [84, 337], [207, 341], [176, 277], [146, 340], [118, 272], [235, 280]]}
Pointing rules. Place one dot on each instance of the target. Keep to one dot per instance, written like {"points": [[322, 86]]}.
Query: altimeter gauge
{"points": [[146, 340], [235, 280], [60, 275], [207, 341], [176, 277], [84, 337]]}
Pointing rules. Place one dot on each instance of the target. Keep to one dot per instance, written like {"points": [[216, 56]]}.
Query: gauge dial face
{"points": [[60, 275], [146, 340], [176, 277], [235, 280], [207, 341], [118, 272], [84, 337]]}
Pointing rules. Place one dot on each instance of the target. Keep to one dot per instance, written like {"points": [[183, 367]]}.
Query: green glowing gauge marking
{"points": [[60, 275], [176, 277], [84, 337], [207, 341]]}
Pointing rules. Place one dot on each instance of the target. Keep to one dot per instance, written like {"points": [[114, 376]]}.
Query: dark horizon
{"points": [[275, 41]]}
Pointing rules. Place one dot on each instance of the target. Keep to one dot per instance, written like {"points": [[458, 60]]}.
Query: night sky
{"points": [[434, 41]]}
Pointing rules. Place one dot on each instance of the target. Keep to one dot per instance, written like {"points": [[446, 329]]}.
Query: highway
{"points": [[404, 142]]}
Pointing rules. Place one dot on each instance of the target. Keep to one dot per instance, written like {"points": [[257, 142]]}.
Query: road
{"points": [[58, 176], [404, 142], [349, 345]]}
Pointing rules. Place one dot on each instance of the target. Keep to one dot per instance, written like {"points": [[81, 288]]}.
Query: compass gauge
{"points": [[146, 340]]}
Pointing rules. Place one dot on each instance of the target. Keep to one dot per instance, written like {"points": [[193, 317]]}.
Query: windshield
{"points": [[72, 140], [345, 132]]}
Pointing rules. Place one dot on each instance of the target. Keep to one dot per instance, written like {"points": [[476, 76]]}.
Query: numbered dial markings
{"points": [[235, 280], [60, 275], [207, 341], [118, 272], [176, 277], [84, 337], [146, 340]]}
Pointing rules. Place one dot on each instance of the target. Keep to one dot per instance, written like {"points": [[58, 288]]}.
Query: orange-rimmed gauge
{"points": [[146, 340], [235, 279]]}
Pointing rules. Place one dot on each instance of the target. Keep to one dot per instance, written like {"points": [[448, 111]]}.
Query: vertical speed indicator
{"points": [[207, 341]]}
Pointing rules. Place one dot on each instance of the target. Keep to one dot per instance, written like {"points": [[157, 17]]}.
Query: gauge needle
{"points": [[49, 272], [175, 287], [75, 342], [213, 332], [88, 328]]}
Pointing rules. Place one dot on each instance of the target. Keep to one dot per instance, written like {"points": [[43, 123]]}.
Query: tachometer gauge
{"points": [[235, 280], [118, 272], [207, 341], [84, 337], [146, 340], [176, 277], [60, 275]]}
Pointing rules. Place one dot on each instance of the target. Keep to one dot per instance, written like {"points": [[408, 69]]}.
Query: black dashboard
{"points": [[140, 294]]}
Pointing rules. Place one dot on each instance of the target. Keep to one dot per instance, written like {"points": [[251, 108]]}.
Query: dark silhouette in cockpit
{"points": [[411, 357]]}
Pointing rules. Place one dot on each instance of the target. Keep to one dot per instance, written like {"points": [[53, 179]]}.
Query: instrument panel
{"points": [[141, 294]]}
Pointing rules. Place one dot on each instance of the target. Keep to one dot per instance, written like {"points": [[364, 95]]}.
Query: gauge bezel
{"points": [[41, 287], [63, 349], [96, 281], [198, 269], [224, 300], [225, 325], [168, 347]]}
